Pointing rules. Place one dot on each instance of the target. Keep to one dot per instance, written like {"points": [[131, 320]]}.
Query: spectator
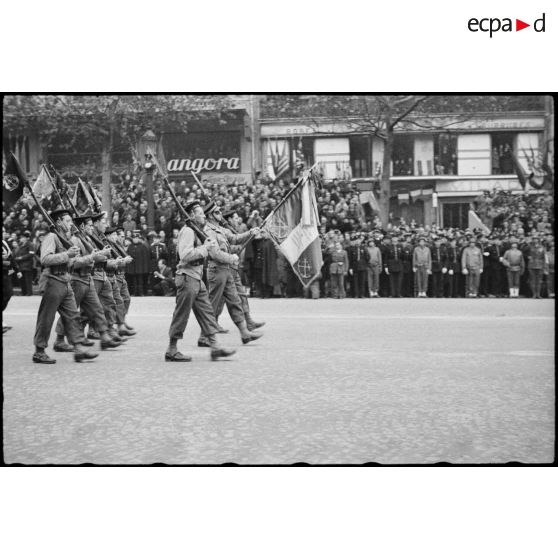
{"points": [[163, 284], [422, 266]]}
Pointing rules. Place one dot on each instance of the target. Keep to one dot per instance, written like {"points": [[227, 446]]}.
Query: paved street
{"points": [[352, 381]]}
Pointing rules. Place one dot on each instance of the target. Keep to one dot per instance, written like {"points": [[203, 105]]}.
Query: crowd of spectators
{"points": [[347, 231]]}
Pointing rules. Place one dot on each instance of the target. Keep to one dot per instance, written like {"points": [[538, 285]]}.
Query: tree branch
{"points": [[408, 111]]}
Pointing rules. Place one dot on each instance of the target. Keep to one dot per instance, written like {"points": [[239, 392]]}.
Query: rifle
{"points": [[76, 230], [52, 225], [198, 232]]}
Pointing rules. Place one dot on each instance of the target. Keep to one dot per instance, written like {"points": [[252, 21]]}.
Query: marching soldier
{"points": [[58, 295], [121, 277], [221, 282], [241, 289], [191, 291], [115, 275], [85, 294], [96, 225]]}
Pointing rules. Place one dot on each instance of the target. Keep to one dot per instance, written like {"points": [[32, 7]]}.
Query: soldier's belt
{"points": [[61, 269], [82, 274], [58, 272], [100, 266]]}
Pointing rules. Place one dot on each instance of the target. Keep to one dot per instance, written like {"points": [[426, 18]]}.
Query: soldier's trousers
{"points": [[104, 292], [191, 295], [58, 297], [222, 289], [88, 302], [241, 290], [124, 292], [437, 284], [119, 308]]}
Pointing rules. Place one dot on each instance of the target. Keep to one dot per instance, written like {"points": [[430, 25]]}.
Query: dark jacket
{"points": [[358, 258], [394, 259], [142, 256]]}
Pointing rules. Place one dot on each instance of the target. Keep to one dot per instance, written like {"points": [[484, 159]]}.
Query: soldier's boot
{"points": [[40, 357], [60, 346], [246, 335], [81, 353], [203, 341], [107, 342], [218, 352], [173, 355], [92, 334], [123, 331], [114, 335], [251, 324]]}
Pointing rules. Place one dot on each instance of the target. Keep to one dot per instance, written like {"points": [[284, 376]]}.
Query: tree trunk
{"points": [[106, 157], [385, 182]]}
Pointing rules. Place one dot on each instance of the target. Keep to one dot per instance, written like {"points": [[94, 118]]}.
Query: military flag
{"points": [[82, 199], [13, 182], [293, 228], [519, 170], [43, 186], [282, 165]]}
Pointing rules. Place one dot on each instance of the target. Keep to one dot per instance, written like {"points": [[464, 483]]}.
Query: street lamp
{"points": [[149, 143]]}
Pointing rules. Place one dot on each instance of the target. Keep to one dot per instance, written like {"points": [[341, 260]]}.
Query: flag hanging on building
{"points": [[82, 199], [43, 187], [282, 160], [476, 223], [13, 182], [293, 228], [518, 170], [270, 162]]}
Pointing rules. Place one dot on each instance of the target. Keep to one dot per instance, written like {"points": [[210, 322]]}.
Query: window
{"points": [[501, 153], [455, 215], [445, 154], [402, 159], [359, 147]]}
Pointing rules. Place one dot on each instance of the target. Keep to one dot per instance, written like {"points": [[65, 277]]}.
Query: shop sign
{"points": [[205, 164]]}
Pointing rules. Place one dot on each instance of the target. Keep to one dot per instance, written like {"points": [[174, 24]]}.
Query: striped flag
{"points": [[293, 228], [282, 160]]}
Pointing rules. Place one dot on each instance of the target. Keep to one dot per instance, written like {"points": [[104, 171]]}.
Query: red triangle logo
{"points": [[519, 25]]}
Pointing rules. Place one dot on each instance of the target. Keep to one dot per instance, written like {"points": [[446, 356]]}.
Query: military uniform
{"points": [[496, 271], [454, 271], [358, 263], [394, 267], [537, 265], [84, 290], [58, 297], [439, 269], [192, 295]]}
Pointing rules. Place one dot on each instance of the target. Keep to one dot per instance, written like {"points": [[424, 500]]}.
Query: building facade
{"points": [[440, 162]]}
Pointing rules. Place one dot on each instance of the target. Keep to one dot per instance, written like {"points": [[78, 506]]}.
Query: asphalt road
{"points": [[332, 381]]}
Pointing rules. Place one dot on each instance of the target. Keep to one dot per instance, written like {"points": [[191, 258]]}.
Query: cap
{"points": [[27, 234], [209, 207], [191, 205], [57, 213], [79, 219], [110, 230], [136, 232], [97, 216], [230, 213]]}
